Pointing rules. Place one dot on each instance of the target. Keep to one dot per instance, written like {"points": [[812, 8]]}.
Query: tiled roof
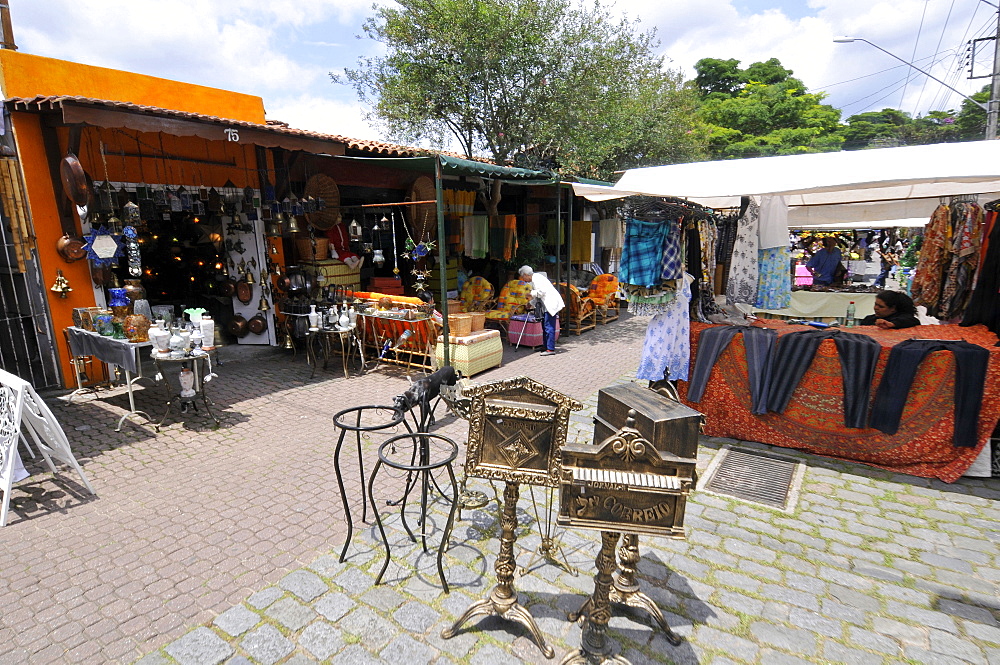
{"points": [[42, 102]]}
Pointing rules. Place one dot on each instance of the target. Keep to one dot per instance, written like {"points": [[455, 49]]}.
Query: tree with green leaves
{"points": [[534, 83], [762, 110]]}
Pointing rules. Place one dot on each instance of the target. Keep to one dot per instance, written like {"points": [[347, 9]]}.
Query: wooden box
{"points": [[669, 426]]}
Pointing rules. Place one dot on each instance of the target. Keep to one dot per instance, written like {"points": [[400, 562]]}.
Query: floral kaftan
{"points": [[742, 285], [668, 340]]}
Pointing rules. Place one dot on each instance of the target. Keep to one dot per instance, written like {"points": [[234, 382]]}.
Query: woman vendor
{"points": [[893, 310]]}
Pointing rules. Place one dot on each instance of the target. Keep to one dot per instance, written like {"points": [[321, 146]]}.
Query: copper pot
{"points": [[257, 324], [71, 249], [228, 288], [244, 292], [238, 326]]}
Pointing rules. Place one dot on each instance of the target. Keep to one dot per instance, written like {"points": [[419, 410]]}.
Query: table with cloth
{"points": [[814, 418], [824, 305]]}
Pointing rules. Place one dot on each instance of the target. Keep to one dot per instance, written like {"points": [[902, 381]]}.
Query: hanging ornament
{"points": [[103, 248], [395, 252], [130, 211], [132, 251], [61, 285]]}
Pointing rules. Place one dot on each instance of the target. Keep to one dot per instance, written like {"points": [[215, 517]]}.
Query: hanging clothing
{"points": [[649, 302], [970, 378], [774, 278], [642, 253], [966, 242], [858, 355], [773, 229], [984, 305], [476, 232], [503, 237], [759, 346], [928, 278], [667, 348], [672, 253], [724, 246], [611, 233], [582, 250], [742, 285], [554, 234]]}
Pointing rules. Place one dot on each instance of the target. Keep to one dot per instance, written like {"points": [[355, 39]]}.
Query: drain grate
{"points": [[753, 477]]}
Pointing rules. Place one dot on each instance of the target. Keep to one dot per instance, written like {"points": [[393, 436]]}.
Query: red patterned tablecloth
{"points": [[814, 419]]}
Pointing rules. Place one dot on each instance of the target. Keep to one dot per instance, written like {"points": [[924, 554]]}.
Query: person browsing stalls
{"points": [[893, 310], [552, 303], [823, 264]]}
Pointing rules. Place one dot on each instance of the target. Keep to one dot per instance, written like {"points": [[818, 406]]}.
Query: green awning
{"points": [[456, 166], [588, 181]]}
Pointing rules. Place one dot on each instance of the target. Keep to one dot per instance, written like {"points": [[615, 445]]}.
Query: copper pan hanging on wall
{"points": [[238, 326], [74, 179], [244, 292]]}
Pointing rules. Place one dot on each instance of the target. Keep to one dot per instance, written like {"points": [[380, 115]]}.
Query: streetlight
{"points": [[991, 115]]}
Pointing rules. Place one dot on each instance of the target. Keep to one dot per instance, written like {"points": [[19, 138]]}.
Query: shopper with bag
{"points": [[544, 293]]}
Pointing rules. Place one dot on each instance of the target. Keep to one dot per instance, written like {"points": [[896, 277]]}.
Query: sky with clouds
{"points": [[284, 50]]}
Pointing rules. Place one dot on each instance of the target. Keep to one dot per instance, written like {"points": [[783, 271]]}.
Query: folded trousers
{"points": [[758, 343], [971, 362], [858, 356]]}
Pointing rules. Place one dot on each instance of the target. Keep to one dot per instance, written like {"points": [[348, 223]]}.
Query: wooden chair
{"points": [[581, 311], [604, 292], [514, 297], [477, 295]]}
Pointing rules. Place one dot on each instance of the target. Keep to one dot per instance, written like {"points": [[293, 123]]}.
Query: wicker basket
{"points": [[305, 249], [478, 320], [459, 325]]}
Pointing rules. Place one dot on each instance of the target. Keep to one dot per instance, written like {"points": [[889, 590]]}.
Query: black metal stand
{"points": [[419, 467], [392, 417]]}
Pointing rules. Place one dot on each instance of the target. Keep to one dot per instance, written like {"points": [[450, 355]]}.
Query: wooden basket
{"points": [[459, 325], [305, 249], [478, 320]]}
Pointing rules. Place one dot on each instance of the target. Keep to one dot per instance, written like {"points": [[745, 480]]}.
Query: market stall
{"points": [[814, 417], [949, 183]]}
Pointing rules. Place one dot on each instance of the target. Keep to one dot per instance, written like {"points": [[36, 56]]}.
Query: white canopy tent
{"points": [[831, 187]]}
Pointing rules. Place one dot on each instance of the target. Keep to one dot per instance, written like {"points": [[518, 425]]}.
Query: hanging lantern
{"points": [[61, 285], [355, 229]]}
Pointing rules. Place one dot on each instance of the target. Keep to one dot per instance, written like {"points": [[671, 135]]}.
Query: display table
{"points": [[812, 305], [200, 366], [119, 352], [814, 418], [349, 342], [472, 353], [410, 341]]}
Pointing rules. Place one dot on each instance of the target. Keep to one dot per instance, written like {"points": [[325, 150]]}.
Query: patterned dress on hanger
{"points": [[774, 282], [928, 277], [742, 285], [667, 347]]}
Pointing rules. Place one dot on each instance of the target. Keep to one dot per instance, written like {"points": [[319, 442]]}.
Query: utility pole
{"points": [[8, 28], [993, 109]]}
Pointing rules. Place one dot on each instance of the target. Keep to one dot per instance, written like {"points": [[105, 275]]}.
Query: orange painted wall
{"points": [[25, 75]]}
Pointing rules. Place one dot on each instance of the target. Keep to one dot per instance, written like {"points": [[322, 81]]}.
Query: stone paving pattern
{"points": [[221, 545]]}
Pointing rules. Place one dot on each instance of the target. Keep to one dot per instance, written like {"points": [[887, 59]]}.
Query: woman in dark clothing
{"points": [[893, 310]]}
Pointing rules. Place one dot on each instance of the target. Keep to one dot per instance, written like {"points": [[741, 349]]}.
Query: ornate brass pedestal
{"points": [[625, 590], [594, 648], [502, 601]]}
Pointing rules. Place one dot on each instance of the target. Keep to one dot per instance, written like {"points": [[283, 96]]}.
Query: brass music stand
{"points": [[517, 428]]}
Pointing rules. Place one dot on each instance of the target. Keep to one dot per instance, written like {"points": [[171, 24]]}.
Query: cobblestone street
{"points": [[221, 545]]}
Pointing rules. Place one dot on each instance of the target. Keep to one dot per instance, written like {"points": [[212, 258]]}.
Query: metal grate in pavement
{"points": [[754, 476]]}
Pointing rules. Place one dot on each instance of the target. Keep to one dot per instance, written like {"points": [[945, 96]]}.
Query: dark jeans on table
{"points": [[970, 378], [758, 343], [858, 354]]}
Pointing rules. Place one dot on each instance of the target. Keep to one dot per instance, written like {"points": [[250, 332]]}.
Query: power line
{"points": [[913, 55], [937, 48]]}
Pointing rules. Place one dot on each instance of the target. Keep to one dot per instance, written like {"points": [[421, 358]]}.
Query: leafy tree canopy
{"points": [[526, 82], [762, 110]]}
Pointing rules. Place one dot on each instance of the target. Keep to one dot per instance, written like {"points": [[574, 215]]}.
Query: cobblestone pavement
{"points": [[221, 545]]}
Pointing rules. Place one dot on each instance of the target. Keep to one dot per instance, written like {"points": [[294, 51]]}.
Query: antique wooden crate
{"points": [[669, 426]]}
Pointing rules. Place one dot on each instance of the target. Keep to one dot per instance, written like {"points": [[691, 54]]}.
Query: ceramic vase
{"points": [[207, 332], [161, 338], [352, 316], [118, 298], [134, 290], [103, 324], [186, 379], [176, 345], [345, 319], [136, 328], [118, 315], [313, 318]]}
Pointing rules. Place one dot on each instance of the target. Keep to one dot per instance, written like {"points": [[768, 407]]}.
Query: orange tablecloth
{"points": [[814, 419]]}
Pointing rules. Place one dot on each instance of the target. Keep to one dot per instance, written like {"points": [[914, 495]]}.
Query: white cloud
{"points": [[283, 50]]}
